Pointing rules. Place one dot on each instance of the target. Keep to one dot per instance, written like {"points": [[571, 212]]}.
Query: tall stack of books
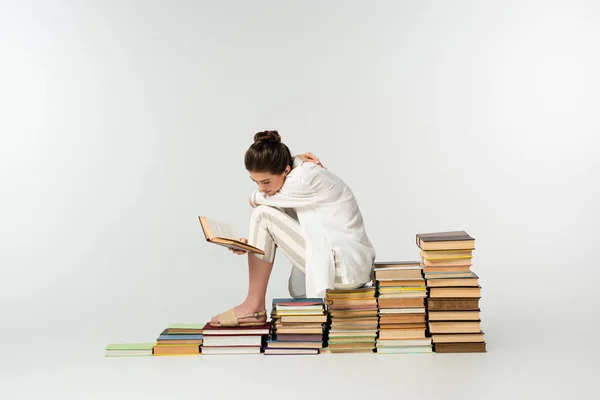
{"points": [[234, 340], [297, 326], [401, 302], [454, 292], [129, 349], [179, 340], [353, 320]]}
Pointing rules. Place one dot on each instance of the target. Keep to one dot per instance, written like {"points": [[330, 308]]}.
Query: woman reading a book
{"points": [[310, 214]]}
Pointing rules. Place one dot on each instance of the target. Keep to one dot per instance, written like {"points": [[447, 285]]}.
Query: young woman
{"points": [[310, 214]]}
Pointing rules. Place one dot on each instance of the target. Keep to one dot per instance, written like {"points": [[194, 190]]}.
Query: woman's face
{"points": [[269, 183]]}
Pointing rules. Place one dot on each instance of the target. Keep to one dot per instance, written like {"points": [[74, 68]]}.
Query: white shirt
{"points": [[329, 215]]}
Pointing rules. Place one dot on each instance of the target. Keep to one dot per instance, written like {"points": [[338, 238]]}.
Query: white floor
{"points": [[517, 365]]}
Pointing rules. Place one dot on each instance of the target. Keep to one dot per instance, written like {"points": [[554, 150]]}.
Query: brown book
{"points": [[414, 325], [453, 304], [454, 327], [171, 350], [454, 315], [347, 314], [457, 337], [303, 318], [352, 346], [457, 268], [179, 341], [352, 303], [466, 347], [473, 280], [435, 292], [401, 333], [452, 240], [457, 262], [224, 235], [398, 274], [401, 302], [405, 282], [298, 325], [400, 318], [184, 331], [446, 254]]}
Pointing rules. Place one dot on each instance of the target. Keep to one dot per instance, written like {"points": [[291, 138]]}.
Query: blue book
{"points": [[292, 300]]}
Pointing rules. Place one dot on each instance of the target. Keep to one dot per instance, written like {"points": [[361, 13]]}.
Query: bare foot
{"points": [[244, 309]]}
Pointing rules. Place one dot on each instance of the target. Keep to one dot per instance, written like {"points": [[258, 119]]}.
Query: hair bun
{"points": [[267, 136]]}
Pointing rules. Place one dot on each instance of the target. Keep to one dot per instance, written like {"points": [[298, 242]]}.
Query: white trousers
{"points": [[272, 228]]}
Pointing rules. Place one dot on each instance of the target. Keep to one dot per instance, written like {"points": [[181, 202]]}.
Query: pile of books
{"points": [[297, 326], [401, 302], [129, 349], [179, 340], [353, 320], [234, 340], [454, 292]]}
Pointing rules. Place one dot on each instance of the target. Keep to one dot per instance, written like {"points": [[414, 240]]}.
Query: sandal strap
{"points": [[255, 314], [230, 319]]}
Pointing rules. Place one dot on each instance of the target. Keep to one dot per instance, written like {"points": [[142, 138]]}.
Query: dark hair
{"points": [[268, 154]]}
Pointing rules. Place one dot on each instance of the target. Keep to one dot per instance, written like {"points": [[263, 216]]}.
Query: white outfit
{"points": [[332, 226]]}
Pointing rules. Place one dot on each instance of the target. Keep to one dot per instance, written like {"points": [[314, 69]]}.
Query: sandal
{"points": [[229, 319]]}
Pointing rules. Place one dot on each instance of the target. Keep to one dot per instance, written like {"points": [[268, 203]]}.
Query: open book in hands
{"points": [[224, 235]]}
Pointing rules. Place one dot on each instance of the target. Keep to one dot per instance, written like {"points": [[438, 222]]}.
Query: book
{"points": [[446, 254], [231, 350], [224, 235], [452, 240], [129, 349], [176, 349], [453, 304], [453, 281], [237, 330], [404, 349], [454, 315], [454, 327], [397, 264], [454, 262], [466, 347], [398, 274], [278, 351], [457, 337], [457, 291]]}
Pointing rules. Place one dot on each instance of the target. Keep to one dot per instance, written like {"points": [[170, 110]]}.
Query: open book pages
{"points": [[224, 235]]}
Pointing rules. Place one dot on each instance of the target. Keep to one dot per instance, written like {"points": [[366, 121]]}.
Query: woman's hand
{"points": [[240, 252], [310, 157]]}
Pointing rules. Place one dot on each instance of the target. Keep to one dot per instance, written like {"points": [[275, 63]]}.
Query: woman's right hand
{"points": [[240, 252], [309, 157]]}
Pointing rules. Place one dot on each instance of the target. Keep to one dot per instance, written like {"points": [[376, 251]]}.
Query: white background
{"points": [[122, 121]]}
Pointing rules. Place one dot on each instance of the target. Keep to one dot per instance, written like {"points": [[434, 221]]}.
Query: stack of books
{"points": [[401, 301], [353, 320], [454, 292], [297, 326], [179, 340], [234, 340], [129, 349]]}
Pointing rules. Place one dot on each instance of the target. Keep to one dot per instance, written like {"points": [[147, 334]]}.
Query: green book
{"points": [[186, 326]]}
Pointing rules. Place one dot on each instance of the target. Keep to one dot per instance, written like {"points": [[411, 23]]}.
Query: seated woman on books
{"points": [[310, 214]]}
